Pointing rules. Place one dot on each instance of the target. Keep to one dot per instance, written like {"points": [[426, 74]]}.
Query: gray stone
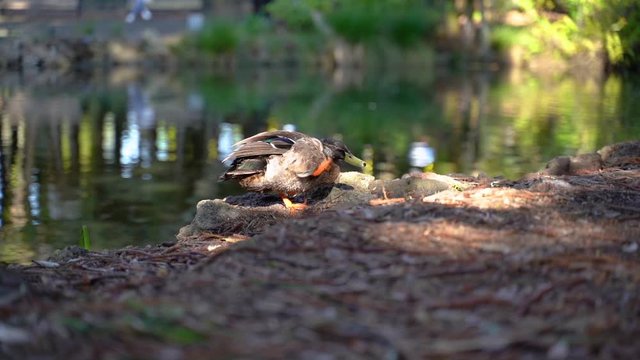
{"points": [[220, 217], [357, 180], [251, 213], [68, 253], [572, 165], [620, 153], [407, 187]]}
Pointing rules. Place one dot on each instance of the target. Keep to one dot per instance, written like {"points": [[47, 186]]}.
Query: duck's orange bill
{"points": [[324, 165]]}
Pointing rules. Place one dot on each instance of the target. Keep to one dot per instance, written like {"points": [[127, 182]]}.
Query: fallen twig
{"points": [[540, 294], [390, 201], [470, 303]]}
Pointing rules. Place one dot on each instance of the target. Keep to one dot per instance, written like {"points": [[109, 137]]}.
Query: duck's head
{"points": [[337, 150]]}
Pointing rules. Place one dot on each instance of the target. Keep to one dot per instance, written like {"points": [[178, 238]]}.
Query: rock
{"points": [[585, 163], [60, 54], [621, 153], [339, 197], [168, 243], [625, 153], [153, 45], [220, 217], [548, 185], [557, 166], [573, 165], [13, 335], [411, 186], [246, 214], [251, 213], [120, 52], [68, 253], [357, 180]]}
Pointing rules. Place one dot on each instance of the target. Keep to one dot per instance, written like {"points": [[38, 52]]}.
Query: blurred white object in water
{"points": [[137, 142], [421, 154], [289, 127], [139, 8], [195, 22], [229, 135], [195, 101]]}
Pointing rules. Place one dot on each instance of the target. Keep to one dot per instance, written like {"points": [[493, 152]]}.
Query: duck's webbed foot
{"points": [[291, 206]]}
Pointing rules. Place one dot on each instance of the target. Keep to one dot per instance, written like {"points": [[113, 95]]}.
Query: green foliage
{"points": [[76, 324], [402, 25], [403, 22], [562, 29], [355, 24], [85, 240], [218, 37], [296, 14], [561, 37], [163, 326], [163, 322], [587, 27], [255, 25], [406, 29], [628, 30], [504, 37], [88, 28]]}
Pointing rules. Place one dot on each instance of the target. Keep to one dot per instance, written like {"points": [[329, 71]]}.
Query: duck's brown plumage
{"points": [[285, 162]]}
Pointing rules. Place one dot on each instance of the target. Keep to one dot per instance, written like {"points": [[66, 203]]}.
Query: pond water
{"points": [[128, 155]]}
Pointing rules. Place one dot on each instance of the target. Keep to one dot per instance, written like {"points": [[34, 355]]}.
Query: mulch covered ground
{"points": [[548, 266]]}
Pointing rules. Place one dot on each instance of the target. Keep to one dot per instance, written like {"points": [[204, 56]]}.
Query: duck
{"points": [[288, 163]]}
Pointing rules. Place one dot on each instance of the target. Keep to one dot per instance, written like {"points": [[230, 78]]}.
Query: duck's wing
{"points": [[287, 136], [244, 168], [265, 144]]}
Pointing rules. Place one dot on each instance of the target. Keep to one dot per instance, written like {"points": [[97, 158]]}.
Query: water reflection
{"points": [[229, 135], [98, 157], [137, 139], [129, 156]]}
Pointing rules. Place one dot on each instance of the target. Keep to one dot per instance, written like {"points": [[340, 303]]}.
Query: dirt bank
{"points": [[547, 266]]}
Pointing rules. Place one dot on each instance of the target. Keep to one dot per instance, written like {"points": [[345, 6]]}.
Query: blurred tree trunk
{"points": [[258, 6], [344, 54], [206, 6], [79, 8], [483, 31], [474, 28], [465, 20]]}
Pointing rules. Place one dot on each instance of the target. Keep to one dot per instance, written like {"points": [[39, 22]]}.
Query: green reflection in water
{"points": [[529, 120], [130, 158]]}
